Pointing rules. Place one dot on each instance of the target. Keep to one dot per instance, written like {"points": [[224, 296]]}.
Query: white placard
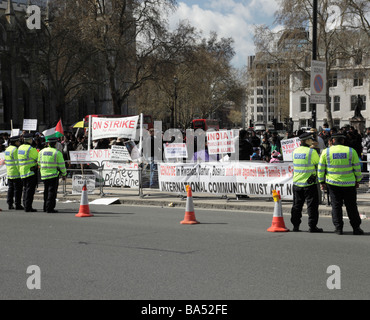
{"points": [[79, 157], [78, 182], [220, 142], [288, 146], [175, 150], [119, 153], [30, 124]]}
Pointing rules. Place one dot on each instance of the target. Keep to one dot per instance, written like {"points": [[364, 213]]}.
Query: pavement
{"points": [[154, 197]]}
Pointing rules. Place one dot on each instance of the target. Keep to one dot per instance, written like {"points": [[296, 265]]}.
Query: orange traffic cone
{"points": [[278, 224], [84, 205], [189, 210]]}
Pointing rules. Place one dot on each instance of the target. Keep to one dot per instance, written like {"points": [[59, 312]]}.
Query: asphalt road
{"points": [[144, 253]]}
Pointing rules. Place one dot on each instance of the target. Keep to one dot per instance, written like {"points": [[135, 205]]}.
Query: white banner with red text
{"points": [[241, 178]]}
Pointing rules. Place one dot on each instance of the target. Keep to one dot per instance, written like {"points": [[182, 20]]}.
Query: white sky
{"points": [[228, 18]]}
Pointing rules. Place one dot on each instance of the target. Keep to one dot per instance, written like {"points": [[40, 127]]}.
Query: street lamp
{"points": [[314, 54], [173, 110]]}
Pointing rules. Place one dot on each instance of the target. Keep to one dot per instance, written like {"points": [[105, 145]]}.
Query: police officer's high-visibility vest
{"points": [[11, 162], [51, 162], [305, 161], [27, 159], [339, 166]]}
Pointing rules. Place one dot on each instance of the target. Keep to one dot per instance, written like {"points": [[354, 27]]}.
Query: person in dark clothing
{"points": [[245, 147]]}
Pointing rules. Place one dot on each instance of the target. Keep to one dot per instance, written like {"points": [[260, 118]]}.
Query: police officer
{"points": [[27, 159], [14, 178], [305, 189], [51, 162], [340, 172]]}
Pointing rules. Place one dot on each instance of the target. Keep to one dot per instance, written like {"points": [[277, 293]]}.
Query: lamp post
{"points": [[314, 55], [173, 116]]}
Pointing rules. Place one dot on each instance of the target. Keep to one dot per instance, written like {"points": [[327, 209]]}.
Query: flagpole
{"points": [[89, 134]]}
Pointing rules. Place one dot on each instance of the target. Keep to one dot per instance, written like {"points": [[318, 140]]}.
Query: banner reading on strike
{"points": [[114, 127], [240, 178]]}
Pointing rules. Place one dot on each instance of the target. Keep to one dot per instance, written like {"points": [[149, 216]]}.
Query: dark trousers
{"points": [[14, 192], [300, 196], [29, 188], [50, 193], [348, 196]]}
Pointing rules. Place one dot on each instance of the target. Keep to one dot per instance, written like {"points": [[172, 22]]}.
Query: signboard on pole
{"points": [[30, 124], [318, 82]]}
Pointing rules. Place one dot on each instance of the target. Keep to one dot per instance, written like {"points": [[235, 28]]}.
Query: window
{"points": [[358, 79], [337, 123], [303, 104], [333, 79], [336, 103], [354, 102]]}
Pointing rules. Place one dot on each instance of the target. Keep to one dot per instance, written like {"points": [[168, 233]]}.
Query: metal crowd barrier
{"points": [[111, 182]]}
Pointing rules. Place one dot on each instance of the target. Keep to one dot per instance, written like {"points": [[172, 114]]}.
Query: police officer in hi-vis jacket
{"points": [[27, 159], [13, 175], [340, 172], [51, 163], [305, 188]]}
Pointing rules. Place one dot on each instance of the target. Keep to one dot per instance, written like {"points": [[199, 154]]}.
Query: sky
{"points": [[228, 18]]}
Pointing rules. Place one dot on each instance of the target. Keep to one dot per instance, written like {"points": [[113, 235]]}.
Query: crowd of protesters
{"points": [[261, 145]]}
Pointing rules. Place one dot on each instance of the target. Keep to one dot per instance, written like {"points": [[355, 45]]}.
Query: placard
{"points": [[175, 151], [78, 182], [30, 124], [220, 142]]}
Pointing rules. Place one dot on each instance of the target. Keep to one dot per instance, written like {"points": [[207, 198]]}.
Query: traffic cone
{"points": [[278, 224], [189, 210], [84, 205]]}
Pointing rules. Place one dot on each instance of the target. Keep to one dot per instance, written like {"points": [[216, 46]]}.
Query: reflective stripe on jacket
{"points": [[27, 158], [11, 162], [339, 166], [305, 161], [51, 161]]}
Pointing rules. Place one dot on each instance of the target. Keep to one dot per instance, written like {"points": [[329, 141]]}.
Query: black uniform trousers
{"points": [[300, 195], [29, 188], [50, 193], [348, 196], [15, 187]]}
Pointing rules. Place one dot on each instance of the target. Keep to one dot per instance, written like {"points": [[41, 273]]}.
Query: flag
{"points": [[55, 132]]}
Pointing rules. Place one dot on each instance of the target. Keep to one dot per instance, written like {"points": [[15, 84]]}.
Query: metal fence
{"points": [[111, 183]]}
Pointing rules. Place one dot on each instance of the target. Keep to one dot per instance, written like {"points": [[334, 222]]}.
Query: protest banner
{"points": [[115, 174], [288, 146], [114, 127], [220, 142], [242, 178]]}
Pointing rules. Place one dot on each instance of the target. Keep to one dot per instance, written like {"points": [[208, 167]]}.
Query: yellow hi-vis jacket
{"points": [[11, 162], [27, 159], [339, 166], [51, 161], [305, 161]]}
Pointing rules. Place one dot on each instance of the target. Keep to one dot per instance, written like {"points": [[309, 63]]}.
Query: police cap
{"points": [[338, 135], [28, 136], [306, 136], [14, 138], [52, 140]]}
